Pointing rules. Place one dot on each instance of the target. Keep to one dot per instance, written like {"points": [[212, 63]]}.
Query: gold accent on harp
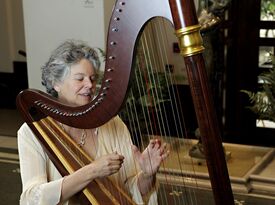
{"points": [[190, 40], [48, 122]]}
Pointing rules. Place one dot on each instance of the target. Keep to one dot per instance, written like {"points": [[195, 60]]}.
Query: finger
{"points": [[116, 156], [115, 168], [152, 143], [116, 162], [162, 148], [157, 143], [165, 155]]}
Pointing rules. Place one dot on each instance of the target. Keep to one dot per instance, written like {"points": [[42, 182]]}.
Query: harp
{"points": [[128, 19]]}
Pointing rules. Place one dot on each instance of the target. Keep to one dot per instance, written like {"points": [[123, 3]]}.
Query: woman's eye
{"points": [[79, 79], [93, 78]]}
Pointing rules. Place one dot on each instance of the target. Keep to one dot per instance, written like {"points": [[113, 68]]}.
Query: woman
{"points": [[70, 76]]}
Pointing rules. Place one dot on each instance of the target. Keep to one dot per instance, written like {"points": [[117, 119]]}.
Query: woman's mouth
{"points": [[86, 95]]}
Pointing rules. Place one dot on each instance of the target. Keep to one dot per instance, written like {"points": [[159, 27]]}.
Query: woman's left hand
{"points": [[150, 159]]}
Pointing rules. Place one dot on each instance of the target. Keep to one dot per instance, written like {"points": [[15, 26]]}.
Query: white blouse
{"points": [[42, 182]]}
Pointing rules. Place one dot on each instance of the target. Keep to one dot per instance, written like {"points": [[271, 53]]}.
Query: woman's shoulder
{"points": [[117, 120], [26, 136], [24, 129], [115, 126], [117, 123], [24, 132]]}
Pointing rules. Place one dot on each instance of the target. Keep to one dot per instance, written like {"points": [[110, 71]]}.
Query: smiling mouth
{"points": [[86, 95]]}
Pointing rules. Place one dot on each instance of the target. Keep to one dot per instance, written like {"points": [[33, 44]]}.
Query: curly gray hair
{"points": [[62, 58]]}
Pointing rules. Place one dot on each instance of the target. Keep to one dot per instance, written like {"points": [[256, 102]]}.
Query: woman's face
{"points": [[79, 85]]}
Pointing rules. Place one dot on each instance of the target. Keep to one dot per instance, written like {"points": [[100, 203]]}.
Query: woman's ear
{"points": [[56, 87]]}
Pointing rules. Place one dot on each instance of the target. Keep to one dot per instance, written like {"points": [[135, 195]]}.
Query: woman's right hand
{"points": [[101, 167], [106, 165]]}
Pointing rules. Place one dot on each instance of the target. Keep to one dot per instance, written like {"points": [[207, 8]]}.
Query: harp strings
{"points": [[177, 116], [154, 97], [176, 109], [147, 103]]}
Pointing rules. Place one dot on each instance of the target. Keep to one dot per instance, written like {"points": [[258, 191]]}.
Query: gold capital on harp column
{"points": [[190, 40]]}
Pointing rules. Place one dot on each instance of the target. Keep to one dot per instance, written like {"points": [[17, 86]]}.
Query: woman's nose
{"points": [[88, 83]]}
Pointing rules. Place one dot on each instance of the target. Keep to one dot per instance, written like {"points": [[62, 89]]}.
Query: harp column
{"points": [[191, 46]]}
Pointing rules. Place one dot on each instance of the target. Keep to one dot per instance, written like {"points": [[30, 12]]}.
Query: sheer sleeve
{"points": [[34, 165]]}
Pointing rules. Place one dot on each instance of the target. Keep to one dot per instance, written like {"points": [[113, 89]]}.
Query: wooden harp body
{"points": [[128, 19]]}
